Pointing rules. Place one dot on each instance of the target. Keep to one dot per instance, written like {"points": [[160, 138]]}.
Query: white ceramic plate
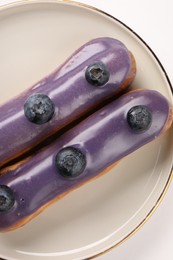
{"points": [[35, 37]]}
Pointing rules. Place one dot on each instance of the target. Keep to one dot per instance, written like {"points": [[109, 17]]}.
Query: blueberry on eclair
{"points": [[39, 108], [139, 118], [70, 162], [97, 74], [7, 198]]}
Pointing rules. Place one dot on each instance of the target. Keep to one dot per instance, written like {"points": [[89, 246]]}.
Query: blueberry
{"points": [[39, 108], [97, 74], [139, 118], [7, 198], [70, 162]]}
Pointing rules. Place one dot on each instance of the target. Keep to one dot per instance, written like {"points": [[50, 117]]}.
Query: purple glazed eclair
{"points": [[94, 73], [83, 153]]}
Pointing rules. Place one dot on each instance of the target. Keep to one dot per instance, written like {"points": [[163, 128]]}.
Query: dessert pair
{"points": [[88, 87]]}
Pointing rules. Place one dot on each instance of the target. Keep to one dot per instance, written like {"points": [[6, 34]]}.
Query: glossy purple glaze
{"points": [[105, 137], [70, 92]]}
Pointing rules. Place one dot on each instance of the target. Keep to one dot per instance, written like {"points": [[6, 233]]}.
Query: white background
{"points": [[153, 21]]}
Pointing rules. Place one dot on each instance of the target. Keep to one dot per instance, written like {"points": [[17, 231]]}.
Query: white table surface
{"points": [[153, 21]]}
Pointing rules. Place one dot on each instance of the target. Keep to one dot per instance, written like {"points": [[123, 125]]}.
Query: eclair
{"points": [[80, 155], [97, 71]]}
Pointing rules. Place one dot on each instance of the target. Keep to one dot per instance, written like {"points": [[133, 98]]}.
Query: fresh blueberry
{"points": [[7, 198], [97, 74], [70, 162], [139, 118], [39, 108]]}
